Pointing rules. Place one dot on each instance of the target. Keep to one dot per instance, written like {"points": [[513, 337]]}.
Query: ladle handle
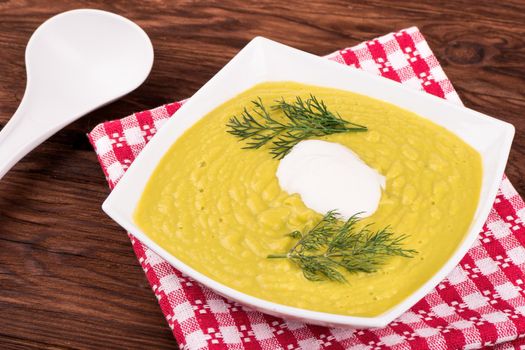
{"points": [[20, 135]]}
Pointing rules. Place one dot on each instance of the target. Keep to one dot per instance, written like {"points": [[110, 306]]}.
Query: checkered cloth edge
{"points": [[480, 304]]}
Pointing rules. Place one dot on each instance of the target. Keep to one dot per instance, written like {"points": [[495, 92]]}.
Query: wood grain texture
{"points": [[68, 276]]}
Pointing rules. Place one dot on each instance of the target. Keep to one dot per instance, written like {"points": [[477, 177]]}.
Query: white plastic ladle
{"points": [[76, 62]]}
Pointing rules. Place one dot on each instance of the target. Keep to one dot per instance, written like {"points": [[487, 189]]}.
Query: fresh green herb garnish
{"points": [[301, 120], [332, 245]]}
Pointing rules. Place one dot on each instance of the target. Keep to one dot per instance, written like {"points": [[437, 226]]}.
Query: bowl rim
{"points": [[112, 205]]}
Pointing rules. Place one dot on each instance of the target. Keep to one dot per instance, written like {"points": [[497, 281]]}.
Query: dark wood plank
{"points": [[68, 276]]}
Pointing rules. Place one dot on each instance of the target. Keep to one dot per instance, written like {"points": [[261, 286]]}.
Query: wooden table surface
{"points": [[68, 276]]}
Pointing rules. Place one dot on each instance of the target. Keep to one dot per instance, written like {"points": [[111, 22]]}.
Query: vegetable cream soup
{"points": [[218, 206]]}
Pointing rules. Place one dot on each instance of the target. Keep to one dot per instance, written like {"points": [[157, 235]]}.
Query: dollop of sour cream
{"points": [[329, 176]]}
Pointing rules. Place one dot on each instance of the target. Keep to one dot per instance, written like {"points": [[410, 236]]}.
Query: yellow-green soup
{"points": [[219, 208]]}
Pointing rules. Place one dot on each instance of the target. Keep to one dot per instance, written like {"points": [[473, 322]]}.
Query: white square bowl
{"points": [[265, 60]]}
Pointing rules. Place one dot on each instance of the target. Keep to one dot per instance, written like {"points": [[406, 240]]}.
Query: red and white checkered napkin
{"points": [[480, 304]]}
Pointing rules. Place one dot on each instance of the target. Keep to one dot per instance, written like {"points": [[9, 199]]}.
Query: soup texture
{"points": [[219, 208]]}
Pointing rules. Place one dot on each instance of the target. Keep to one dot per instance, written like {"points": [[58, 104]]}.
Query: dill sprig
{"points": [[332, 246], [303, 119]]}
